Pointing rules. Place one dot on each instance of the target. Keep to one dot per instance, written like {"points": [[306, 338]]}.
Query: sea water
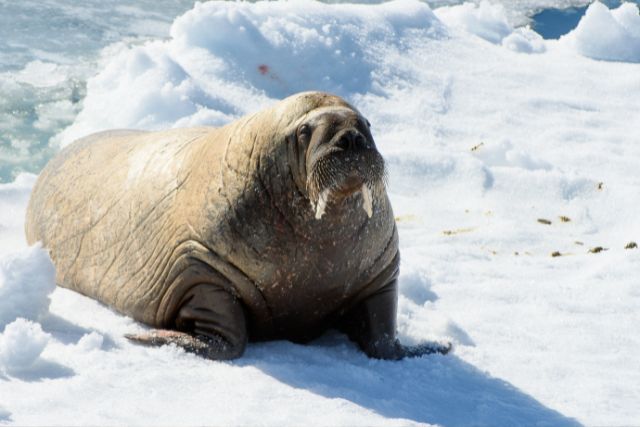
{"points": [[552, 23], [48, 50]]}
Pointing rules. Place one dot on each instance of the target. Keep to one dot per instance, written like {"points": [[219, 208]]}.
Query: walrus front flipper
{"points": [[210, 323], [372, 325]]}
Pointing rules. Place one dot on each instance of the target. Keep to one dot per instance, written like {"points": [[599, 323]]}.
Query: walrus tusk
{"points": [[367, 201], [322, 203]]}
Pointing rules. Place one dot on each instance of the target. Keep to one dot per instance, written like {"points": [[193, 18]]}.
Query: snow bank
{"points": [[612, 35], [13, 200], [524, 40], [26, 280], [21, 344], [227, 59], [489, 21], [485, 20]]}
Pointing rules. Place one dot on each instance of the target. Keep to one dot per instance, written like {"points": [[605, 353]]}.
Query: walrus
{"points": [[275, 226]]}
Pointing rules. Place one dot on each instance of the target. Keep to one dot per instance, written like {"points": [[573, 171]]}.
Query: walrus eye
{"points": [[305, 130]]}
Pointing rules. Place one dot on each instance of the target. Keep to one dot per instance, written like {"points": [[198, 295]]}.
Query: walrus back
{"points": [[103, 209]]}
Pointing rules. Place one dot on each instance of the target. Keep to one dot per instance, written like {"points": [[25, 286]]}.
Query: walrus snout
{"points": [[350, 164], [351, 140], [341, 158]]}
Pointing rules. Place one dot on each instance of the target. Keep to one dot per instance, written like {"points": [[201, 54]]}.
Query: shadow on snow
{"points": [[433, 389], [41, 369]]}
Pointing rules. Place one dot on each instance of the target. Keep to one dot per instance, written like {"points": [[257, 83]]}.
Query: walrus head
{"points": [[341, 158]]}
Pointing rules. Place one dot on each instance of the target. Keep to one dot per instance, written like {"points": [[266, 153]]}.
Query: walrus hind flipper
{"points": [[210, 322], [210, 347]]}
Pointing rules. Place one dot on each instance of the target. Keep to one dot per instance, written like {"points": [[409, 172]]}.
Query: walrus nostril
{"points": [[345, 141], [351, 140]]}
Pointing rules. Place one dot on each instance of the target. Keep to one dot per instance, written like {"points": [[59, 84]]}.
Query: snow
{"points": [[90, 341], [209, 73], [524, 40], [612, 35], [489, 21], [485, 20], [24, 290], [50, 48], [485, 128], [13, 203], [21, 344]]}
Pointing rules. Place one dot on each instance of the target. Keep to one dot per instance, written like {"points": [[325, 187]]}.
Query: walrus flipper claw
{"points": [[159, 337], [427, 348], [210, 347], [393, 350]]}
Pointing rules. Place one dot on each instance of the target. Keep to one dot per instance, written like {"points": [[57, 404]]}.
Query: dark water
{"points": [[554, 23]]}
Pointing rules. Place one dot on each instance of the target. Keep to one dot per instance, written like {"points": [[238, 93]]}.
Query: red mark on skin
{"points": [[263, 68]]}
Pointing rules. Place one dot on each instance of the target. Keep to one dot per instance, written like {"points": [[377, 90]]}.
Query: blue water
{"points": [[67, 36], [554, 23]]}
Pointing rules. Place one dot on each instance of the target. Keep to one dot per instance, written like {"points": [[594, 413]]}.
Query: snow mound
{"points": [[524, 40], [506, 155], [21, 344], [91, 341], [227, 59], [490, 22], [27, 278], [415, 285], [485, 20], [13, 199], [611, 35]]}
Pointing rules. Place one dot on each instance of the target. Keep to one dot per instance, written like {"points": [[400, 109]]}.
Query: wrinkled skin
{"points": [[276, 226]]}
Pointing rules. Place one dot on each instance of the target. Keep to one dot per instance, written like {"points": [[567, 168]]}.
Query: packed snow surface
{"points": [[513, 175]]}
